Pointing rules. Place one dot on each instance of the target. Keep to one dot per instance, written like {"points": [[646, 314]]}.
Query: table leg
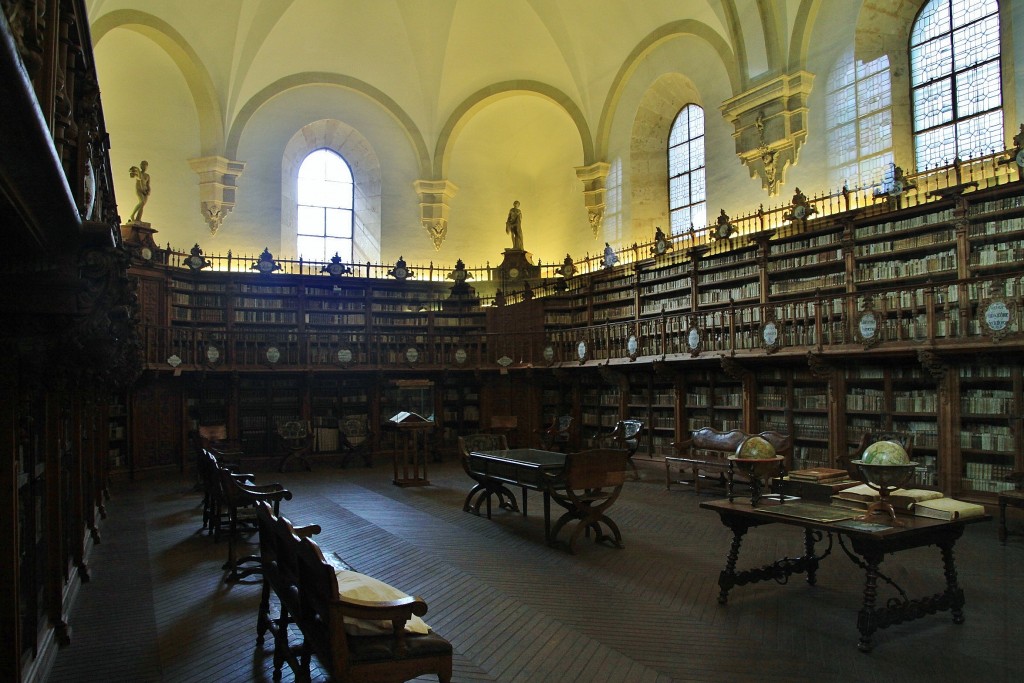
{"points": [[1002, 520], [524, 501], [866, 621], [954, 593], [728, 578], [547, 517], [810, 557]]}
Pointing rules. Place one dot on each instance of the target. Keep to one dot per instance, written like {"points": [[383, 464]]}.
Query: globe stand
{"points": [[885, 479], [755, 469]]}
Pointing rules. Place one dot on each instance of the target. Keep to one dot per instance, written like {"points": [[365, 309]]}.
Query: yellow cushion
{"points": [[362, 587]]}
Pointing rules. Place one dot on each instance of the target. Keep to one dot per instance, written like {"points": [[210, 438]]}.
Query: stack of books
{"points": [[815, 483], [902, 500]]}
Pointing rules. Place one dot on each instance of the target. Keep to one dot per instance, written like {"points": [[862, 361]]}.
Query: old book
{"points": [[819, 474], [948, 509], [812, 490]]}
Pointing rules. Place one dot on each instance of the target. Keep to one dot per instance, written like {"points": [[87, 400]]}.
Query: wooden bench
{"points": [[353, 639], [706, 454]]}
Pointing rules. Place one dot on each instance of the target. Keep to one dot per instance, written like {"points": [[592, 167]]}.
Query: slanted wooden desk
{"points": [[527, 468], [868, 550]]}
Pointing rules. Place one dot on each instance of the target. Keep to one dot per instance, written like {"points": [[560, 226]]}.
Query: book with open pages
{"points": [[902, 500]]}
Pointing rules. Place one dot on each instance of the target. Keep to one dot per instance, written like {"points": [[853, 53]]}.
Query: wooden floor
{"points": [[516, 610]]}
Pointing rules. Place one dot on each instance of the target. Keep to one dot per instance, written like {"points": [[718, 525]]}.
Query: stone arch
{"points": [[645, 46], [197, 78], [359, 154], [298, 80], [480, 98]]}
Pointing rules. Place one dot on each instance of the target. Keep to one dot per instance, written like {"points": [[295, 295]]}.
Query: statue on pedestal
{"points": [[142, 189], [514, 226]]}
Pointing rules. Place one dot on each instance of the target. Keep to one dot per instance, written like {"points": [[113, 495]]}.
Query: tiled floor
{"points": [[516, 610]]}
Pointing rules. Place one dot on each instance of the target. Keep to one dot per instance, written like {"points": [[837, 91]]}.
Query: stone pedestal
{"points": [[518, 265]]}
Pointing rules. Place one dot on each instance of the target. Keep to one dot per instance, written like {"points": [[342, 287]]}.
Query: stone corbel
{"points": [[218, 179], [593, 178], [770, 122], [435, 196]]}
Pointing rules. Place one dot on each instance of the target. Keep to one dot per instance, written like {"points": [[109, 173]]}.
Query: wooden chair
{"points": [[556, 436], [355, 440], [209, 465], [387, 658], [297, 438], [904, 439], [279, 566], [485, 487], [627, 435], [239, 501], [586, 488]]}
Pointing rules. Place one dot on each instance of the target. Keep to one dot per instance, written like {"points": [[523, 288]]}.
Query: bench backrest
{"points": [[726, 443]]}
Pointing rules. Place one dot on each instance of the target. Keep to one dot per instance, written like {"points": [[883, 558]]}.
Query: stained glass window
{"points": [[956, 83], [325, 201], [687, 193]]}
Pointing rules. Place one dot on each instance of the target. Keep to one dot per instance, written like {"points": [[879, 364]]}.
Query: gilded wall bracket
{"points": [[770, 123], [435, 198]]}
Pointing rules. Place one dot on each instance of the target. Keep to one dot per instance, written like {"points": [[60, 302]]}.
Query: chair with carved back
{"points": [[627, 435], [587, 487], [355, 440], [556, 436], [297, 439], [904, 439], [485, 487], [239, 500], [361, 640]]}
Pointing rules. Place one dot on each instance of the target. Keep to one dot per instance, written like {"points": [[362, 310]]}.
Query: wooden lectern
{"points": [[412, 435]]}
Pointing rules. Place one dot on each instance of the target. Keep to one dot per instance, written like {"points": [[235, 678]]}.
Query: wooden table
{"points": [[1013, 498], [868, 549], [528, 468]]}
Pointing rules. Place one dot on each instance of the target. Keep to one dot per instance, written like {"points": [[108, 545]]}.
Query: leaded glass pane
{"points": [[311, 248], [341, 247], [933, 104], [697, 154], [936, 147], [338, 223], [875, 133], [311, 220], [678, 133], [965, 11], [841, 105], [865, 69], [976, 43], [931, 60], [873, 93], [680, 220], [980, 135], [697, 186], [696, 120], [679, 191], [842, 144], [978, 90], [931, 21], [676, 163]]}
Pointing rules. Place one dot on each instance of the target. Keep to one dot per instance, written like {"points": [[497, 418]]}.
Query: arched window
{"points": [[858, 121], [686, 175], [956, 85], [325, 195]]}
